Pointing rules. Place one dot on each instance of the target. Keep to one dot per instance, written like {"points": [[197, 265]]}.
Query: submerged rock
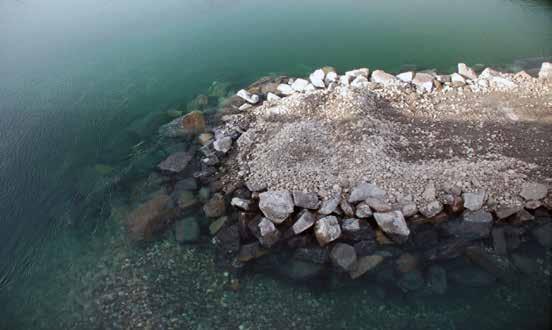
{"points": [[343, 256], [276, 205], [215, 207], [186, 230], [228, 239], [327, 230], [543, 234], [152, 217], [437, 279], [176, 162], [251, 251], [472, 225], [365, 264], [269, 233]]}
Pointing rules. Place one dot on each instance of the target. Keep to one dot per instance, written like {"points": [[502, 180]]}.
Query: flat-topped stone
{"points": [[276, 205]]}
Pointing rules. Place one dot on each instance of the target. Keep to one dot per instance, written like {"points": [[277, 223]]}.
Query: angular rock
{"points": [[533, 205], [506, 212], [523, 215], [406, 76], [271, 97], [184, 199], [393, 223], [363, 210], [457, 80], [357, 230], [152, 217], [360, 82], [365, 264], [499, 241], [176, 162], [251, 251], [310, 88], [545, 72], [533, 191], [378, 205], [364, 191], [331, 77], [248, 97], [495, 265], [276, 205], [502, 83], [306, 200], [190, 124], [269, 233], [347, 208], [350, 225], [466, 71], [446, 250], [432, 209], [215, 207], [243, 204], [384, 78], [186, 230], [299, 85], [409, 209], [474, 201], [473, 225], [223, 144], [423, 81], [286, 89], [489, 73], [228, 239], [305, 221], [317, 78], [363, 72], [365, 247], [327, 230], [217, 225], [245, 106], [330, 204], [343, 256]]}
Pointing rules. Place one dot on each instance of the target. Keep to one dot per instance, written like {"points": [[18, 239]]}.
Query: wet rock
{"points": [[184, 199], [423, 81], [365, 264], [317, 78], [378, 205], [154, 216], [364, 191], [393, 223], [187, 184], [269, 233], [343, 256], [251, 251], [499, 241], [327, 230], [187, 230], [407, 263], [525, 265], [330, 204], [215, 207], [350, 225], [466, 71], [347, 208], [300, 85], [306, 200], [472, 225], [523, 216], [506, 212], [431, 209], [497, 266], [409, 209], [216, 225], [228, 239], [316, 255], [248, 97], [285, 89], [363, 210], [384, 78], [276, 205], [543, 234], [425, 238], [299, 270], [411, 281], [305, 221], [406, 76], [189, 124], [513, 237], [241, 203], [176, 162], [437, 279], [474, 201], [533, 191], [223, 144], [545, 72], [448, 249]]}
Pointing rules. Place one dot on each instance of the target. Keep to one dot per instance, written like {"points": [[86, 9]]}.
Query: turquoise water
{"points": [[88, 83]]}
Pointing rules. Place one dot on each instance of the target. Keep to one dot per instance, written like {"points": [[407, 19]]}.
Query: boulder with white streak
{"points": [[248, 97]]}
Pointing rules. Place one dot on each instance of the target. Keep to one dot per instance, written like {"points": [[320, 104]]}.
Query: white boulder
{"points": [[317, 78], [406, 76], [248, 97], [331, 77], [360, 82], [285, 89], [272, 97], [545, 72], [300, 85], [423, 81], [384, 78], [466, 71]]}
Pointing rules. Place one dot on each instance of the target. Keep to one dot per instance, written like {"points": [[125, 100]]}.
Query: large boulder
{"points": [[300, 85], [215, 207], [466, 71], [190, 124], [154, 216], [384, 78], [306, 200], [176, 162], [545, 72], [317, 78], [330, 203], [365, 264], [474, 201], [327, 230], [424, 81], [393, 223], [366, 190], [269, 234], [343, 256], [533, 191], [187, 230], [305, 221], [276, 205]]}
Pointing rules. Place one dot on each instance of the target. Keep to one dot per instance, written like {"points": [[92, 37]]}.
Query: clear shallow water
{"points": [[82, 85]]}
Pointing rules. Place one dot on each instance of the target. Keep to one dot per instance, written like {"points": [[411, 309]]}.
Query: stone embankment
{"points": [[346, 172]]}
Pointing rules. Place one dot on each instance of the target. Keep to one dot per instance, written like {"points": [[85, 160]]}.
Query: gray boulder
{"points": [[305, 221], [424, 81], [343, 256], [384, 78], [241, 203], [378, 205], [276, 205], [431, 209], [223, 144], [317, 78], [330, 203], [269, 234], [306, 200], [327, 230], [474, 201], [533, 191], [393, 223], [364, 191], [176, 162], [364, 265], [545, 72], [363, 210]]}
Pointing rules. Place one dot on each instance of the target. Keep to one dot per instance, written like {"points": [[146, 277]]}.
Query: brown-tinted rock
{"points": [[193, 122], [365, 264], [327, 230], [251, 251], [407, 263], [152, 217], [215, 207]]}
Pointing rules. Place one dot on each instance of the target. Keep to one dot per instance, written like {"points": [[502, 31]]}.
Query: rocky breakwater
{"points": [[398, 176]]}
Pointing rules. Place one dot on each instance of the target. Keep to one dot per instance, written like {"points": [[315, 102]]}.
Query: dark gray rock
{"points": [[347, 208], [316, 255], [411, 281], [365, 248], [299, 270], [448, 249], [506, 212], [471, 276], [499, 267], [215, 207], [472, 225], [343, 256], [251, 251], [365, 264], [525, 265], [393, 223], [305, 221], [187, 230], [378, 205], [437, 279], [176, 162], [364, 191], [187, 184], [227, 239], [306, 200], [276, 205], [543, 234], [499, 241], [270, 235]]}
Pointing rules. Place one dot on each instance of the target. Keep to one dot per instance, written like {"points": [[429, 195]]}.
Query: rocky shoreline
{"points": [[349, 173]]}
